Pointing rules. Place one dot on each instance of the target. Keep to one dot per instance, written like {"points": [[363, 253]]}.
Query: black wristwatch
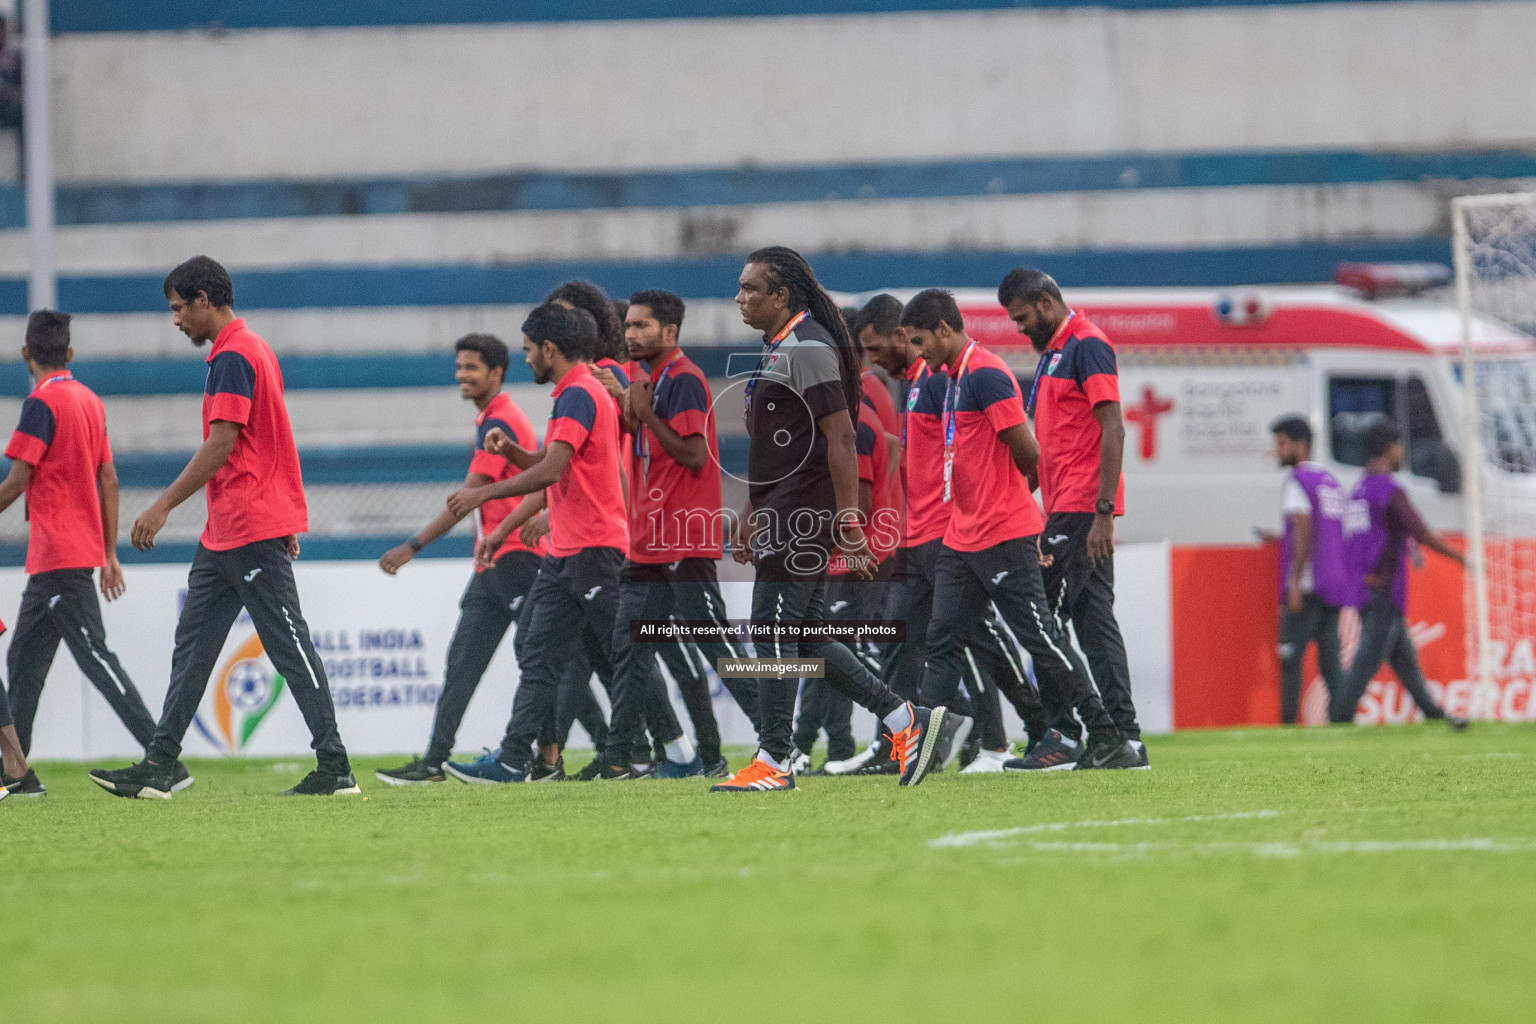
{"points": [[415, 545], [1105, 507]]}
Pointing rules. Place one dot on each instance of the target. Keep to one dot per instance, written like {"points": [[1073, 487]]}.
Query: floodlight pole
{"points": [[37, 136]]}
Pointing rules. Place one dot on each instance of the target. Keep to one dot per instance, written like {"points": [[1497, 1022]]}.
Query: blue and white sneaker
{"points": [[484, 770], [673, 770]]}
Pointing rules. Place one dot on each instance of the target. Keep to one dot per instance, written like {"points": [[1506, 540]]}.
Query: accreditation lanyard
{"points": [[951, 399], [642, 446], [762, 363], [1034, 389], [66, 375]]}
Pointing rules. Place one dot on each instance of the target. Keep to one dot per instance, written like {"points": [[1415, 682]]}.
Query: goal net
{"points": [[1495, 255]]}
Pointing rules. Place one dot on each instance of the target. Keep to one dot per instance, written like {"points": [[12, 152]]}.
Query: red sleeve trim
{"points": [[229, 407], [1102, 387], [1003, 415], [567, 430], [26, 448], [486, 464], [689, 422]]}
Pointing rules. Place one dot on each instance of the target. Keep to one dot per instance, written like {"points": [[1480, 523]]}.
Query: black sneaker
{"points": [[417, 773], [588, 772], [1142, 764], [598, 771], [318, 783], [180, 777], [144, 781], [27, 785], [1458, 723], [720, 769], [1112, 751], [1054, 753], [542, 772]]}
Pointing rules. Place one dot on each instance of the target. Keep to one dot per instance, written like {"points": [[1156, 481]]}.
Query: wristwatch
{"points": [[1105, 507], [415, 545]]}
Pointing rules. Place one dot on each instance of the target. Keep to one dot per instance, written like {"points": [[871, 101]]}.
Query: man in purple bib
{"points": [[1315, 578], [1378, 523]]}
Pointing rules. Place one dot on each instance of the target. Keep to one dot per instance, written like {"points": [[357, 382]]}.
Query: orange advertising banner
{"points": [[1226, 668]]}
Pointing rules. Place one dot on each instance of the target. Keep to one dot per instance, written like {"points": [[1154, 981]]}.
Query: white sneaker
{"points": [[799, 763], [987, 762], [853, 764]]}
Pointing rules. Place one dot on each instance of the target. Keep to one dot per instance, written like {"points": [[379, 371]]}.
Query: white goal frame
{"points": [[1479, 637]]}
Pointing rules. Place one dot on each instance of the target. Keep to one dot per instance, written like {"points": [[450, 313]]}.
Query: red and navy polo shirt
{"points": [[586, 505], [878, 397], [63, 436], [674, 512], [258, 493], [991, 501], [874, 462], [501, 412], [922, 456], [622, 374], [1077, 372]]}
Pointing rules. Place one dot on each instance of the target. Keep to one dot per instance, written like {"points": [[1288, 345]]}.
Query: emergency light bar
{"points": [[1379, 280]]}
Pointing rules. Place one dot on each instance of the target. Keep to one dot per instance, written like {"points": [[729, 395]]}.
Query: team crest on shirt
{"points": [[1050, 368]]}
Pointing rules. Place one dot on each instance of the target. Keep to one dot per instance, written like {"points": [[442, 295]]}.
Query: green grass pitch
{"points": [[1321, 875]]}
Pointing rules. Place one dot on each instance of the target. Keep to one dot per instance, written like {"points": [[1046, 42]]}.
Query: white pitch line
{"points": [[1280, 850], [955, 840]]}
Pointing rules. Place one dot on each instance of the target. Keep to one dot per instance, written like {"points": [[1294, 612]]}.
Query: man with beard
{"points": [[575, 596], [802, 506], [250, 467], [991, 545], [1075, 404], [991, 661]]}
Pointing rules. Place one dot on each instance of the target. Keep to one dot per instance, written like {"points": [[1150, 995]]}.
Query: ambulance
{"points": [[1203, 373]]}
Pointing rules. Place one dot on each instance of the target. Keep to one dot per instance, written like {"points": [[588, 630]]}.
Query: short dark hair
{"points": [[48, 338], [1292, 427], [201, 274], [1380, 435], [573, 331], [610, 326], [1028, 284], [492, 350], [931, 307], [882, 314], [664, 306]]}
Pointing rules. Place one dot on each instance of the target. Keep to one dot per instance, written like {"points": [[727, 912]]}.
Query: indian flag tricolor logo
{"points": [[245, 689]]}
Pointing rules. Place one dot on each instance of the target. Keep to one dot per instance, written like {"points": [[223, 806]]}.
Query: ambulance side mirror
{"points": [[1442, 465]]}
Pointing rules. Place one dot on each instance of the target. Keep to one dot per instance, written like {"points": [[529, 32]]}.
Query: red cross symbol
{"points": [[1145, 416]]}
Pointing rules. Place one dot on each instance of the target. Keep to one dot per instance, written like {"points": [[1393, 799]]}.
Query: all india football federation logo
{"points": [[241, 694]]}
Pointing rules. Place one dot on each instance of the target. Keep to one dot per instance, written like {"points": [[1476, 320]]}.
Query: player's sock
{"points": [[680, 750], [763, 756], [900, 718]]}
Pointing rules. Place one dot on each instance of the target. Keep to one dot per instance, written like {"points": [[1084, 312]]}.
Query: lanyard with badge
{"points": [[1045, 357], [766, 361], [66, 375], [642, 446], [951, 399]]}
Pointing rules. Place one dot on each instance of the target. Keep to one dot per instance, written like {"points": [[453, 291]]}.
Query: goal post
{"points": [[1494, 252]]}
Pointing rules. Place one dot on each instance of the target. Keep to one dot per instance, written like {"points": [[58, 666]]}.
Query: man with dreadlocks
{"points": [[803, 498]]}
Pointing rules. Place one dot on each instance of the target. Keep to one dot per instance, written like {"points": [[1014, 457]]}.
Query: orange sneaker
{"points": [[913, 747], [755, 777]]}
